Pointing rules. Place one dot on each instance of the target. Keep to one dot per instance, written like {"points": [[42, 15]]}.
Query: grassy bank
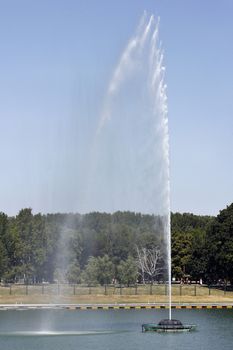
{"points": [[102, 299], [74, 294]]}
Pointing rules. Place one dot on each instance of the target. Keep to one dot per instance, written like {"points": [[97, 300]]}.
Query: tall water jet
{"points": [[130, 155]]}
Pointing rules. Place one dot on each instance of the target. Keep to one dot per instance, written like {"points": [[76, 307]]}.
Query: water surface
{"points": [[112, 329]]}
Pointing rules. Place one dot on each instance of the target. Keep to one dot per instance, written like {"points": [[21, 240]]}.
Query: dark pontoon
{"points": [[167, 326]]}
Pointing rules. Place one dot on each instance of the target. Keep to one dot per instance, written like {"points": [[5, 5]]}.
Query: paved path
{"points": [[128, 306]]}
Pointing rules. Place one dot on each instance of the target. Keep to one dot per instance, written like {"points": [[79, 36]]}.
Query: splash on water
{"points": [[54, 333]]}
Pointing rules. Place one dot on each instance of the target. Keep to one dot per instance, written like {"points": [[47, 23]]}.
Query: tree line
{"points": [[123, 247]]}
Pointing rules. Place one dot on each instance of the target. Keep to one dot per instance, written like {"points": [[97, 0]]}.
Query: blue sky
{"points": [[56, 61]]}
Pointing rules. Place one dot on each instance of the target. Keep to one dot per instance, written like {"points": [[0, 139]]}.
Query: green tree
{"points": [[73, 274], [38, 244], [98, 271], [197, 263], [220, 247], [127, 271], [4, 261], [24, 243], [181, 253], [90, 272], [105, 272]]}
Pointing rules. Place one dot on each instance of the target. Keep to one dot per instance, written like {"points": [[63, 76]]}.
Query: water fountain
{"points": [[132, 136], [131, 148]]}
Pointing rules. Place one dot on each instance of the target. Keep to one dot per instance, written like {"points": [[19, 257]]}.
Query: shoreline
{"points": [[123, 306]]}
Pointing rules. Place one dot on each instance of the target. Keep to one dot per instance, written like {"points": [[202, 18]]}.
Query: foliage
{"points": [[90, 273], [97, 248], [188, 245], [220, 247], [98, 271], [73, 274], [127, 271]]}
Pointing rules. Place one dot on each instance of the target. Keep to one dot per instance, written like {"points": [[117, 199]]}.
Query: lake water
{"points": [[113, 329]]}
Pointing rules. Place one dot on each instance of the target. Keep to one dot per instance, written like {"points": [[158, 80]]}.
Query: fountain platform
{"points": [[167, 325]]}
